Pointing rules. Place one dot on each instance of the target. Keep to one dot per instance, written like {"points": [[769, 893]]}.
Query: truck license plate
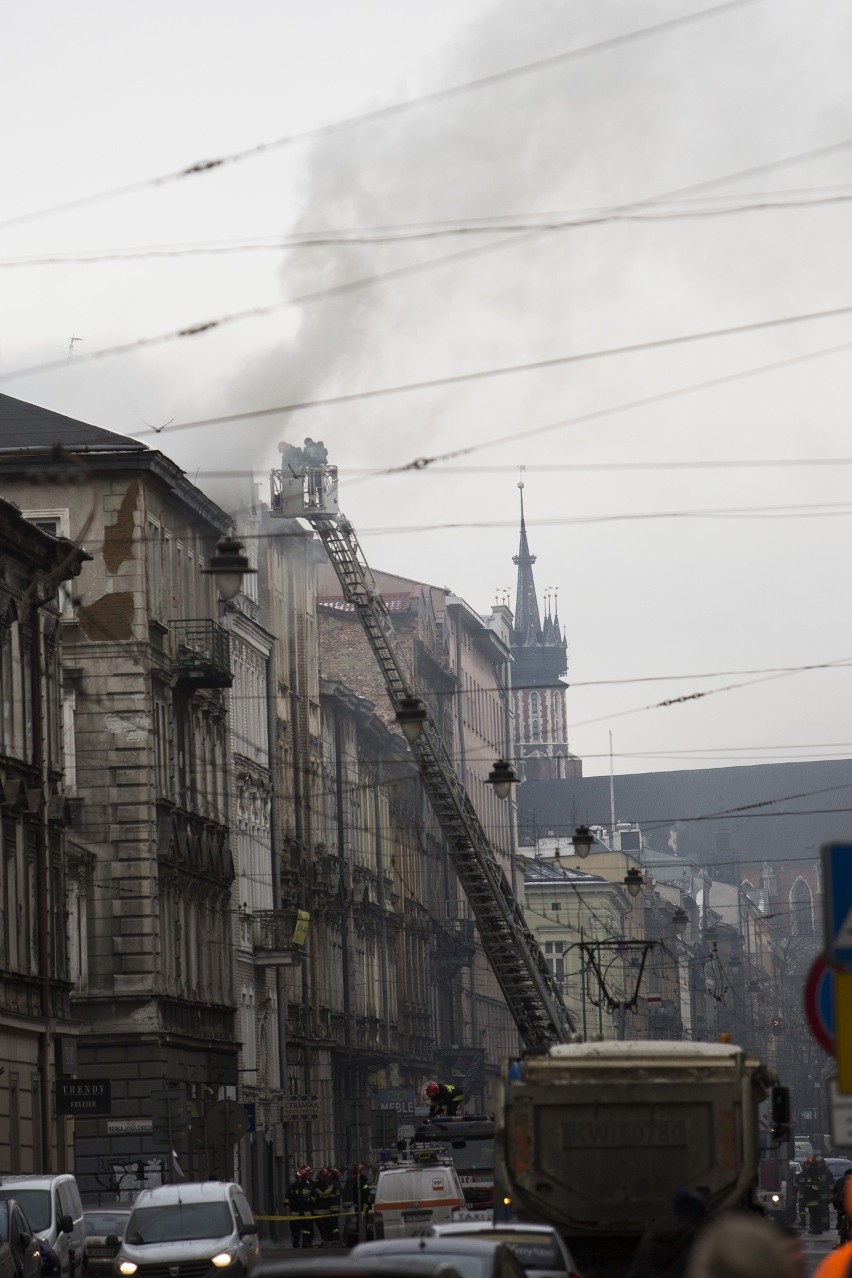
{"points": [[624, 1132], [416, 1215]]}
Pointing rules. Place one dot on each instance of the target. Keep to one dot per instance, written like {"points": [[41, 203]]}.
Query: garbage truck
{"points": [[595, 1137]]}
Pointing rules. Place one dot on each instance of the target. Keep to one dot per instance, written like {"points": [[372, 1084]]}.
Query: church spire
{"points": [[527, 620]]}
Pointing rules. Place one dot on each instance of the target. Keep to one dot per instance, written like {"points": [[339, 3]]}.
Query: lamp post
{"points": [[411, 716], [502, 777], [228, 566], [582, 839]]}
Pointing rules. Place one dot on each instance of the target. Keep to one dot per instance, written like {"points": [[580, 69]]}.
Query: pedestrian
{"points": [[741, 1245], [665, 1246], [300, 1197]]}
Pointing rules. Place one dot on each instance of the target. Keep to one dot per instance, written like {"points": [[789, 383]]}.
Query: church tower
{"points": [[539, 659]]}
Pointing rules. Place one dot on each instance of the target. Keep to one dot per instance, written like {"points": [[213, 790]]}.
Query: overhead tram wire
{"points": [[204, 326], [340, 239], [660, 397], [381, 113], [457, 379]]}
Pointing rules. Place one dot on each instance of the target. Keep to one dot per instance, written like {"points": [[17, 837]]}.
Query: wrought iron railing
{"points": [[279, 936], [202, 650]]}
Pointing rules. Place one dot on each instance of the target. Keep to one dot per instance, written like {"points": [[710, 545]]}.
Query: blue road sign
{"points": [[837, 908]]}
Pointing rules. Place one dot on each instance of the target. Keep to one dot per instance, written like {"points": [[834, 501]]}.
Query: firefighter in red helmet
{"points": [[444, 1099]]}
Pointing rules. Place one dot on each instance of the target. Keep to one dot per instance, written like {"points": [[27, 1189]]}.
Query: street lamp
{"points": [[411, 716], [582, 839], [680, 920], [634, 880], [228, 565], [502, 776]]}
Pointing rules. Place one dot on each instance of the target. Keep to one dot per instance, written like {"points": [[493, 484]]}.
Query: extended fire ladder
{"points": [[516, 959]]}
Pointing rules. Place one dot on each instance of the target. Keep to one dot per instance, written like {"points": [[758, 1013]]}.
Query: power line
{"points": [[457, 379], [380, 113], [420, 463], [319, 239], [800, 511]]}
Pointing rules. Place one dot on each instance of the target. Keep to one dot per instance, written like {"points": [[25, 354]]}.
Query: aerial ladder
{"points": [[307, 489]]}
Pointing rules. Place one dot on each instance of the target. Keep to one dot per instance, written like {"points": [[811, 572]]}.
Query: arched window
{"points": [[534, 703], [535, 729], [801, 909]]}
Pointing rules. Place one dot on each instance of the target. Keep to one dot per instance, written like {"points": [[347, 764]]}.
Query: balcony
{"points": [[279, 936], [202, 654]]}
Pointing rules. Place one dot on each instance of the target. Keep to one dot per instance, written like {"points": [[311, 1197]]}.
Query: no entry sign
{"points": [[819, 1003]]}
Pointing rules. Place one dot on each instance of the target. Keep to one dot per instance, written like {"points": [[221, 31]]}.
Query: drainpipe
{"points": [[341, 856], [42, 901], [277, 898], [383, 936], [474, 1020], [299, 817]]}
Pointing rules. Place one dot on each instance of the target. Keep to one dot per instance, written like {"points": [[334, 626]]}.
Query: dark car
{"points": [[344, 1267], [478, 1258], [20, 1249], [105, 1228]]}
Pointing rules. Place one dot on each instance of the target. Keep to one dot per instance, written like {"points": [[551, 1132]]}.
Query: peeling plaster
{"points": [[118, 537], [133, 725], [108, 618]]}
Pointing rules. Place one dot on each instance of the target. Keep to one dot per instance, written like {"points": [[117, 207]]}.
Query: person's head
{"points": [[335, 1173], [688, 1207], [741, 1245], [323, 1175], [432, 1090]]}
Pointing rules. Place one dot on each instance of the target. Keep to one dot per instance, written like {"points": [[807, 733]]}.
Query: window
{"points": [[801, 909], [556, 905], [155, 570], [535, 730], [53, 521], [534, 703]]}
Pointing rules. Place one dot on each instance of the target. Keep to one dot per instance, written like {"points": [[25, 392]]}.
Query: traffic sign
{"points": [[819, 1002], [837, 907], [843, 1030]]}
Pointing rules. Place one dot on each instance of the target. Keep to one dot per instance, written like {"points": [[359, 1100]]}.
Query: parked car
{"points": [[20, 1250], [472, 1257], [198, 1230], [104, 1231], [539, 1248], [52, 1206]]}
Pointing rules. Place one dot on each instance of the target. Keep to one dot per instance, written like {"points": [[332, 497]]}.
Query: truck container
{"points": [[595, 1138]]}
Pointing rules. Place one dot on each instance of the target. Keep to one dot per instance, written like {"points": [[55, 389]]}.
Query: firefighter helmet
{"points": [[304, 1173], [432, 1089]]}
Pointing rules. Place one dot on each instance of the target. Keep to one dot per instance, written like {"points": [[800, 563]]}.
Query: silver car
{"points": [[539, 1249], [202, 1230]]}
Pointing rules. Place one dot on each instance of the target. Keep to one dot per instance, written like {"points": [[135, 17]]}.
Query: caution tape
{"points": [[319, 1215]]}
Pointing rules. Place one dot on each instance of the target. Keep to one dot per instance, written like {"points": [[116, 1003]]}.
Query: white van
{"points": [[199, 1228], [411, 1197], [52, 1206]]}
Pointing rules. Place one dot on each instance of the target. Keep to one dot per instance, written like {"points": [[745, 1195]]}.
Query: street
{"points": [[816, 1249]]}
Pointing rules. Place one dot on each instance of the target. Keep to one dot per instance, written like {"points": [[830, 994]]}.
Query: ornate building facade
{"points": [[38, 1032]]}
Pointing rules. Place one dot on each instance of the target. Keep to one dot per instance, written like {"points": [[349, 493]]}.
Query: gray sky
{"points": [[101, 96]]}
